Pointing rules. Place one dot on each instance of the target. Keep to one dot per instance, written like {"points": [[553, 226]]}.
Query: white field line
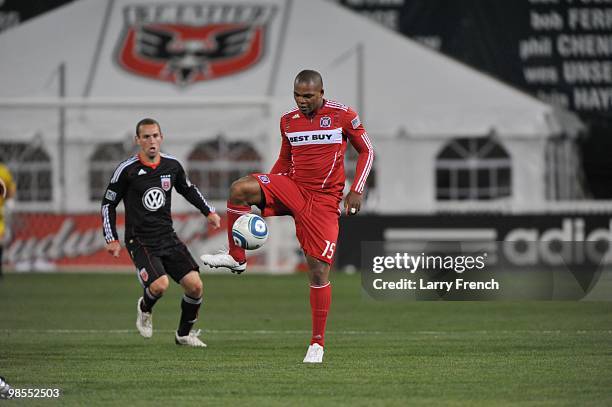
{"points": [[204, 331], [300, 332]]}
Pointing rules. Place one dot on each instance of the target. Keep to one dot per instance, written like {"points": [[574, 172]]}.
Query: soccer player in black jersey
{"points": [[144, 182]]}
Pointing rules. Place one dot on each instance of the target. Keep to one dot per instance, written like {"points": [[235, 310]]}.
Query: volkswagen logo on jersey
{"points": [[154, 199]]}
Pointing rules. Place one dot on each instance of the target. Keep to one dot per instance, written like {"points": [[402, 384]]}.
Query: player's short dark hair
{"points": [[308, 75], [146, 121]]}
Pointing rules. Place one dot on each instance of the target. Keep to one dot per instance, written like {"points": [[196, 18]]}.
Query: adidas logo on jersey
{"points": [[141, 172], [295, 116]]}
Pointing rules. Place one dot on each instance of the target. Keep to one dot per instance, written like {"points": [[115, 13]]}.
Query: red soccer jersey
{"points": [[312, 150]]}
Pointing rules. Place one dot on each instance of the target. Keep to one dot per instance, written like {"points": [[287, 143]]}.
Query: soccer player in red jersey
{"points": [[307, 183]]}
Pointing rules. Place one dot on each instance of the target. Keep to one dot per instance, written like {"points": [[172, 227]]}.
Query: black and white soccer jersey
{"points": [[146, 192]]}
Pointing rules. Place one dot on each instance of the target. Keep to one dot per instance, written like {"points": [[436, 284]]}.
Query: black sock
{"points": [[189, 315], [148, 300]]}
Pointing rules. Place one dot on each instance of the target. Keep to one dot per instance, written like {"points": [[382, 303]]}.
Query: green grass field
{"points": [[76, 332]]}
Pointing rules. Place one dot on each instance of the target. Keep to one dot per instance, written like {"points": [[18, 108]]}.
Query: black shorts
{"points": [[164, 256]]}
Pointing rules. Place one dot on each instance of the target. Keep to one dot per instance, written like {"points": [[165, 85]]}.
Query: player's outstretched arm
{"points": [[191, 193]]}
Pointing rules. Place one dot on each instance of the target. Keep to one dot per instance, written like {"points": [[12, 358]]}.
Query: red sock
{"points": [[320, 299], [233, 213]]}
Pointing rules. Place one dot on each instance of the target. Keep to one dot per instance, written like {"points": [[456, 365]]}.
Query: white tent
{"points": [[411, 99]]}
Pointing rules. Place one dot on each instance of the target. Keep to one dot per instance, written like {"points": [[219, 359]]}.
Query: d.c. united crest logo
{"points": [[186, 43], [144, 276], [166, 182]]}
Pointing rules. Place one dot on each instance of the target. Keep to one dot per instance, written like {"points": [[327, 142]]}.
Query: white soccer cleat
{"points": [[190, 340], [223, 259], [144, 321], [314, 354]]}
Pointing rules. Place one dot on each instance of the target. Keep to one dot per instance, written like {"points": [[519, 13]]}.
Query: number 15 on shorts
{"points": [[330, 247]]}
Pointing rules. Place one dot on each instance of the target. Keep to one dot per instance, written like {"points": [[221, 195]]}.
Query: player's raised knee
{"points": [[244, 190]]}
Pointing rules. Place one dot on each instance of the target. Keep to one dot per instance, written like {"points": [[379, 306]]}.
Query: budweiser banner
{"points": [[53, 241]]}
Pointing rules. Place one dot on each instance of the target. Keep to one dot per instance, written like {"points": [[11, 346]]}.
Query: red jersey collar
{"points": [[149, 164]]}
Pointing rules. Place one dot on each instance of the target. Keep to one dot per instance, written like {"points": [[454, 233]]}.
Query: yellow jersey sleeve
{"points": [[7, 178]]}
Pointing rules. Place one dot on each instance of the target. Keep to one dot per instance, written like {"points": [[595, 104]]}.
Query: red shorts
{"points": [[316, 214]]}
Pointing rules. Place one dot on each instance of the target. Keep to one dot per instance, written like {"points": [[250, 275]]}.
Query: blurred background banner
{"points": [[558, 51], [479, 111], [530, 239]]}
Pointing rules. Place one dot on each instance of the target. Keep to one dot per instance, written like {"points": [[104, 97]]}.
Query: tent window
{"points": [[103, 163], [214, 165], [473, 169], [31, 168]]}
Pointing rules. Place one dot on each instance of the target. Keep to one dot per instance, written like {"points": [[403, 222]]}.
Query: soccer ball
{"points": [[250, 231]]}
